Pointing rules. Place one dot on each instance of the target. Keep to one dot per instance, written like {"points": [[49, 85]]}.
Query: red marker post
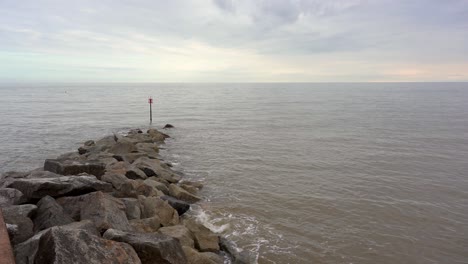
{"points": [[150, 101]]}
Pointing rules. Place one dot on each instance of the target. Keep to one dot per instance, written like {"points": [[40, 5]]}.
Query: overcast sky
{"points": [[234, 40]]}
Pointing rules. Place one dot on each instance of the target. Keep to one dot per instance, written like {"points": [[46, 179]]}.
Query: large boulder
{"points": [[49, 213], [18, 215], [151, 248], [132, 208], [62, 245], [153, 206], [195, 257], [180, 233], [154, 167], [181, 194], [146, 225], [157, 185], [156, 135], [177, 204], [123, 147], [10, 196], [105, 211], [37, 188], [205, 239], [238, 257], [75, 167]]}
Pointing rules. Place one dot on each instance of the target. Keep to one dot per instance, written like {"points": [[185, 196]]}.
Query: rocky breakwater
{"points": [[113, 201]]}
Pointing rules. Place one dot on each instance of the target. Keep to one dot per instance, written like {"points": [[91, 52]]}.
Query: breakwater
{"points": [[112, 201]]}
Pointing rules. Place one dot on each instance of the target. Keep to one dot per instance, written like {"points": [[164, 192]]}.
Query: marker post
{"points": [[150, 101]]}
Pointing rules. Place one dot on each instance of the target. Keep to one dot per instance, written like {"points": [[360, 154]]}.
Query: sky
{"points": [[233, 40]]}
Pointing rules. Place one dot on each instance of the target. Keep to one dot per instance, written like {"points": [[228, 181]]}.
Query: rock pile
{"points": [[113, 201]]}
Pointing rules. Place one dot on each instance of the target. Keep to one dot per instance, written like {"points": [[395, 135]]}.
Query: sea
{"points": [[293, 172]]}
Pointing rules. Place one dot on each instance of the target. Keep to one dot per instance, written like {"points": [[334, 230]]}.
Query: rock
{"points": [[74, 167], [242, 257], [18, 215], [12, 230], [150, 149], [148, 191], [89, 143], [122, 147], [49, 213], [157, 185], [105, 211], [60, 186], [153, 167], [83, 149], [135, 173], [156, 135], [147, 225], [182, 194], [189, 188], [72, 205], [151, 248], [26, 210], [117, 180], [168, 126], [205, 239], [195, 257], [26, 251], [9, 196], [179, 205], [196, 184], [62, 245], [132, 208], [180, 233], [153, 206]]}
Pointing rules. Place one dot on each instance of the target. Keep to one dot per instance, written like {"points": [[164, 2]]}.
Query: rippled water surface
{"points": [[295, 173]]}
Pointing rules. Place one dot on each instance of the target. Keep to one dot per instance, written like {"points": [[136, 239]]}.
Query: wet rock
{"points": [[189, 188], [205, 239], [238, 257], [177, 204], [156, 135], [157, 185], [49, 213], [132, 208], [195, 257], [181, 194], [153, 206], [10, 196], [150, 150], [153, 167], [146, 225], [180, 233], [61, 186], [61, 245], [105, 211], [196, 184], [74, 167], [151, 248], [18, 215], [135, 173], [89, 143], [168, 126], [122, 147]]}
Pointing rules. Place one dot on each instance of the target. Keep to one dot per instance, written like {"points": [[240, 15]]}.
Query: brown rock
{"points": [[146, 225], [181, 194], [153, 206], [179, 232]]}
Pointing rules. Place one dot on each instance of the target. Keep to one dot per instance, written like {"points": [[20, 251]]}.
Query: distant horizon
{"points": [[229, 41]]}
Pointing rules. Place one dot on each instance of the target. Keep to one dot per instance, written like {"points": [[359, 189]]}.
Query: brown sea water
{"points": [[295, 173]]}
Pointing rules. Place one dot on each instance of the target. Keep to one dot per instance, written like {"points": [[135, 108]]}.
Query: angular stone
{"points": [[74, 167], [13, 215], [26, 210], [26, 251], [67, 185], [122, 147], [153, 167], [153, 206], [195, 257], [105, 211], [157, 185], [132, 208], [149, 149], [135, 173], [168, 126], [89, 143], [180, 233], [242, 257], [189, 188], [177, 204], [182, 194], [156, 135], [49, 213], [146, 225], [10, 196], [117, 180], [205, 239], [61, 245], [152, 248], [72, 205]]}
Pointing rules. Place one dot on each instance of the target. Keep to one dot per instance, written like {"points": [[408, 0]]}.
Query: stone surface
{"points": [[132, 208], [74, 167], [156, 135], [153, 167], [49, 213], [181, 194], [153, 206], [105, 211], [135, 173], [168, 126], [61, 245], [195, 257], [151, 248], [180, 233], [146, 225], [18, 215], [72, 205], [26, 210], [204, 238], [157, 185], [10, 196], [37, 188], [177, 204], [243, 257], [117, 180], [189, 188]]}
